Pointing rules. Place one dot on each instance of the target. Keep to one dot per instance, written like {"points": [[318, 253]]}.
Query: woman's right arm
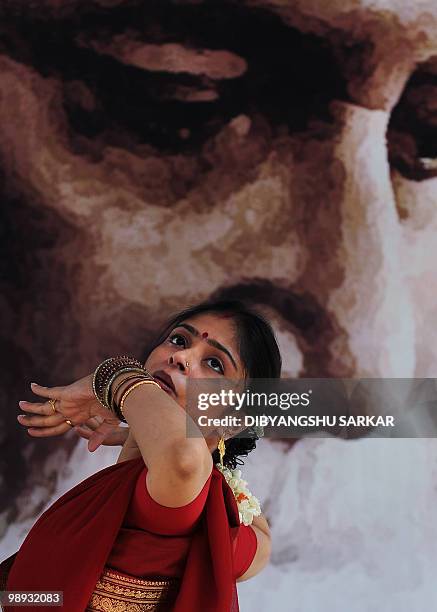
{"points": [[177, 465]]}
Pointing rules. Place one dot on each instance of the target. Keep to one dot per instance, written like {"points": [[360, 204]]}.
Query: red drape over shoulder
{"points": [[69, 544]]}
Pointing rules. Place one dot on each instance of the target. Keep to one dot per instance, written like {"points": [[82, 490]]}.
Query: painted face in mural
{"points": [[156, 153], [154, 156]]}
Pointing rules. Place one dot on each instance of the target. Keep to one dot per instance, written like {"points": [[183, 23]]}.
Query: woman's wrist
{"points": [[107, 371], [120, 384]]}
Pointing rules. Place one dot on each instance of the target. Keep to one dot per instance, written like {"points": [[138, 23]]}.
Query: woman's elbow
{"points": [[262, 555], [192, 456], [268, 551]]}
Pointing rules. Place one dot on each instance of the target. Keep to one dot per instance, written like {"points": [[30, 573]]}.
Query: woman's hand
{"points": [[116, 438], [75, 402]]}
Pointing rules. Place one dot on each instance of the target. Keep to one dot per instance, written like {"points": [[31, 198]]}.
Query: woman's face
{"points": [[214, 355]]}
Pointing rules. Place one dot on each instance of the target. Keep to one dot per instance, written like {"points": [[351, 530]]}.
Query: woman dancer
{"points": [[169, 527]]}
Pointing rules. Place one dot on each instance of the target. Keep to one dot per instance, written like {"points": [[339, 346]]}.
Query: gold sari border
{"points": [[115, 592]]}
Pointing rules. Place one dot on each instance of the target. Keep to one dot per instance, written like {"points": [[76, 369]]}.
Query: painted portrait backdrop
{"points": [[153, 154]]}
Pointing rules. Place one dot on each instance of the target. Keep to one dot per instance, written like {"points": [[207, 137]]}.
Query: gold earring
{"points": [[222, 449]]}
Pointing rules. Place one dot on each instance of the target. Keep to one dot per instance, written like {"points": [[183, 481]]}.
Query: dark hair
{"points": [[258, 350]]}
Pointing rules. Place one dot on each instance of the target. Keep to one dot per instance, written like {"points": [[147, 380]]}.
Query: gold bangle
{"points": [[142, 374], [96, 371], [107, 389], [116, 405], [131, 388], [106, 369], [114, 393]]}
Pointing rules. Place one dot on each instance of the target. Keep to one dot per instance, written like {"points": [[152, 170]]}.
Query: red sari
{"points": [[67, 548]]}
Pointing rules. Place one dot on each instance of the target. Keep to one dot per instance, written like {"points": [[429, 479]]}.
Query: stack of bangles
{"points": [[105, 387]]}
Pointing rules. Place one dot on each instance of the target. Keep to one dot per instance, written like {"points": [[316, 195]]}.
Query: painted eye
{"points": [[178, 336], [411, 141], [219, 363]]}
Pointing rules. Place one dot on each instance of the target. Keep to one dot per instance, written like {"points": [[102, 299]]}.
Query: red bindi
{"points": [[205, 335]]}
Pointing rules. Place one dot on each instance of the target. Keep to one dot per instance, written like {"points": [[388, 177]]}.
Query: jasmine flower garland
{"points": [[248, 504]]}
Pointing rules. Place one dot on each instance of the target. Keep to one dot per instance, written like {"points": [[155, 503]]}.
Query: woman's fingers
{"points": [[94, 422], [91, 425], [98, 436], [41, 415], [49, 392], [36, 407], [83, 432], [45, 432], [77, 415], [40, 421], [117, 437]]}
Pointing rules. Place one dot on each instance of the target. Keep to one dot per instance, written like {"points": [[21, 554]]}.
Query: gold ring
{"points": [[69, 422], [52, 403]]}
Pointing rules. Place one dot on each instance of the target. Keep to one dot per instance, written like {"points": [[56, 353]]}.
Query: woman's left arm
{"points": [[263, 549]]}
